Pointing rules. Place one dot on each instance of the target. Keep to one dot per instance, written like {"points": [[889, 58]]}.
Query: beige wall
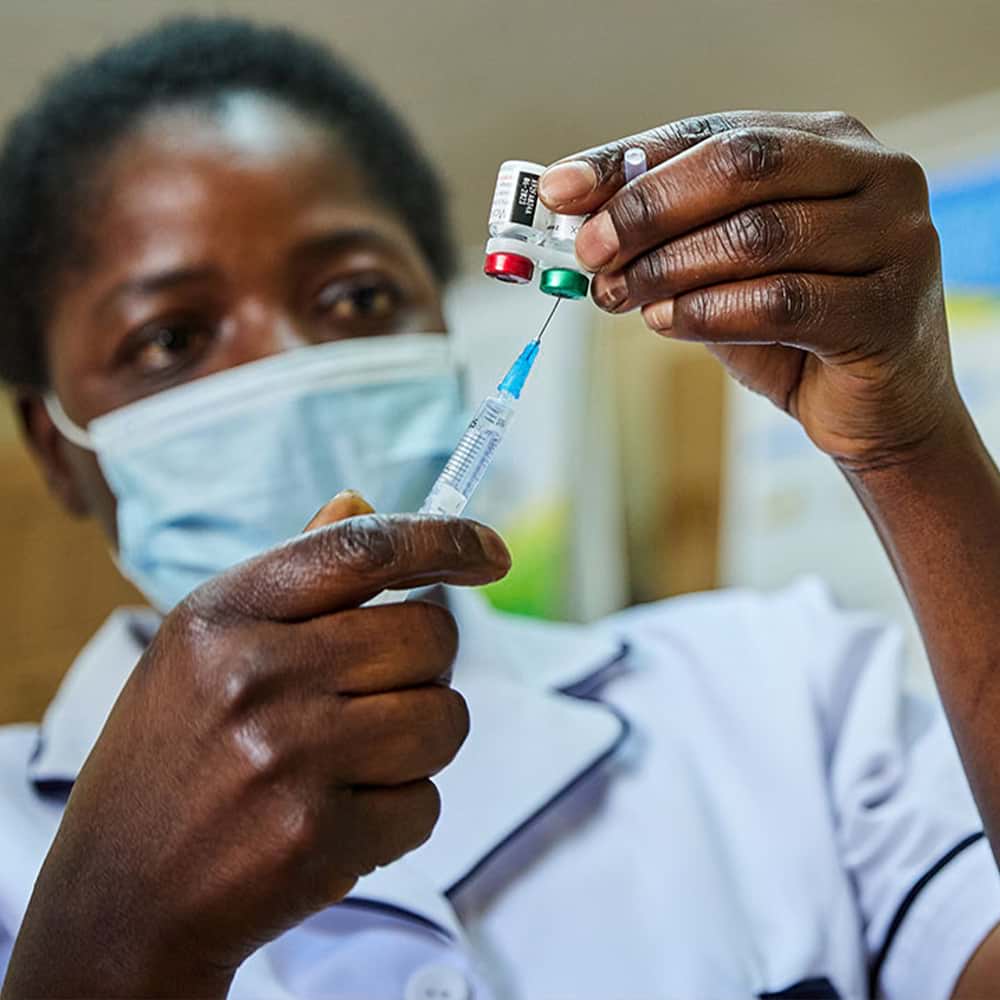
{"points": [[482, 82], [57, 584]]}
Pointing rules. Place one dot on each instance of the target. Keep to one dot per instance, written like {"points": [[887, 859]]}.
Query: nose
{"points": [[264, 332]]}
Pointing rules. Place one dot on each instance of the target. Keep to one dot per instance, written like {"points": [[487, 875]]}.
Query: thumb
{"points": [[345, 504]]}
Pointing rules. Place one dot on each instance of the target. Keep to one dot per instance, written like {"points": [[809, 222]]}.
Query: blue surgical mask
{"points": [[215, 471]]}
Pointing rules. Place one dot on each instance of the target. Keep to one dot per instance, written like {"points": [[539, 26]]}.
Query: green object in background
{"points": [[539, 546], [973, 312]]}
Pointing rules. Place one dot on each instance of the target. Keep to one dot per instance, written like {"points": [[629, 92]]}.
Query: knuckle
{"points": [[299, 828], [363, 544], [841, 122], [789, 300], [237, 675], [454, 718], [424, 811], [908, 174], [429, 806], [696, 313], [640, 206], [189, 624], [751, 155], [236, 690], [261, 750], [448, 718], [760, 233], [439, 625], [648, 273], [698, 128]]}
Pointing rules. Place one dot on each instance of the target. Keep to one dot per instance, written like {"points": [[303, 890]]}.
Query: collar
{"points": [[518, 676]]}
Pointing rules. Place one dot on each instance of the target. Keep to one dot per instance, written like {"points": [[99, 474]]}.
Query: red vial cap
{"points": [[510, 267]]}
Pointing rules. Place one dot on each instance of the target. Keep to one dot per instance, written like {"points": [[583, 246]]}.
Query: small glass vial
{"points": [[516, 216], [566, 280]]}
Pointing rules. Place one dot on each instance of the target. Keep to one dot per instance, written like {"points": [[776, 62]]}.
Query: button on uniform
{"points": [[438, 982]]}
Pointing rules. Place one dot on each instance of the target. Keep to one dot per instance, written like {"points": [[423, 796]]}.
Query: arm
{"points": [[939, 519], [802, 254], [279, 742]]}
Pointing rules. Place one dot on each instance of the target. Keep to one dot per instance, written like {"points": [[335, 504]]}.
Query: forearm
{"points": [[70, 946], [938, 516]]}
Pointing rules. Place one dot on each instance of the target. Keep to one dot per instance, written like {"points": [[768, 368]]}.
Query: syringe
{"points": [[468, 464], [464, 471]]}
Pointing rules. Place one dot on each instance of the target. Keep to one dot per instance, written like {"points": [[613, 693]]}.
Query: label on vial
{"points": [[515, 198], [563, 228], [525, 199]]}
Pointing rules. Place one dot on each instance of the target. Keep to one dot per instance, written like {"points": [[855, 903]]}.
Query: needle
{"points": [[549, 320]]}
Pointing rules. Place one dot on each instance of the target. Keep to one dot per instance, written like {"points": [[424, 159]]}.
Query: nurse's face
{"points": [[211, 240]]}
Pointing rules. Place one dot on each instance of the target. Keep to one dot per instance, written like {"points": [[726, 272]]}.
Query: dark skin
{"points": [[794, 246], [801, 252], [280, 739]]}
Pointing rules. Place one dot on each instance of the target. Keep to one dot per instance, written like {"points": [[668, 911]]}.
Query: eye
{"points": [[367, 302], [167, 346]]}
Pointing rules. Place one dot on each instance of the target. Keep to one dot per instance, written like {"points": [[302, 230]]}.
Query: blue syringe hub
{"points": [[513, 381]]}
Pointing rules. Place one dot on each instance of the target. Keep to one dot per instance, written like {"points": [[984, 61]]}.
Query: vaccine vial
{"points": [[567, 280], [516, 216]]}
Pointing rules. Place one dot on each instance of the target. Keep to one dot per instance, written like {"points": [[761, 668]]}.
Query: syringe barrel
{"points": [[471, 458]]}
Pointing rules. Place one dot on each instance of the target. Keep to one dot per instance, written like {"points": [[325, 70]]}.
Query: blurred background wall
{"points": [[648, 475]]}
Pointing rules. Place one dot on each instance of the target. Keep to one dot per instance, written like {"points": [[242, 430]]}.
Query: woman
{"points": [[222, 262]]}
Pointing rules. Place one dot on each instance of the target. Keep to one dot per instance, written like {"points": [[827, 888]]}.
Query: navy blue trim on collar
{"points": [[363, 903], [819, 988], [625, 730], [909, 899], [587, 688]]}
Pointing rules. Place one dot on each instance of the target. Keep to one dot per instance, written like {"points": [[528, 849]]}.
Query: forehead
{"points": [[243, 165]]}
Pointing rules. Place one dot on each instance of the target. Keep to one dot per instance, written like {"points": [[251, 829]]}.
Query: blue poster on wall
{"points": [[966, 209]]}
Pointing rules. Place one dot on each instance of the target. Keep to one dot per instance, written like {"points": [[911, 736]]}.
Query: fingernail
{"points": [[611, 291], [493, 547], [354, 497], [659, 316], [597, 242], [566, 182]]}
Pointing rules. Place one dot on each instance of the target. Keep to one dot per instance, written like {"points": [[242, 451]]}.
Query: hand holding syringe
{"points": [[468, 464]]}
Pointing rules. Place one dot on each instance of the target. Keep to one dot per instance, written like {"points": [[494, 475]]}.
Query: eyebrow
{"points": [[324, 245], [344, 240], [160, 281]]}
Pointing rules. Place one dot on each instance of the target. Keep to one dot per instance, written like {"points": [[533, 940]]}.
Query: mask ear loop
{"points": [[69, 430]]}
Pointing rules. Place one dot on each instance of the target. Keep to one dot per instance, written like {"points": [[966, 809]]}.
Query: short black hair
{"points": [[55, 145]]}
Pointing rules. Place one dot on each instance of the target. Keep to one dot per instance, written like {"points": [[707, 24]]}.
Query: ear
{"points": [[52, 452]]}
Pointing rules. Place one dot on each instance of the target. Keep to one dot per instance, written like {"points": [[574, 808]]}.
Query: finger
{"points": [[378, 648], [815, 236], [343, 565], [581, 183], [817, 312], [383, 824], [345, 504], [399, 736], [717, 178]]}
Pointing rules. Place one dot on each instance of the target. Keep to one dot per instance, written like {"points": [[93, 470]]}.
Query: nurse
{"points": [[215, 320]]}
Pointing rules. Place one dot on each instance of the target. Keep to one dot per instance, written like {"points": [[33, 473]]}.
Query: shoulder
{"points": [[23, 813], [791, 628], [792, 647], [17, 744]]}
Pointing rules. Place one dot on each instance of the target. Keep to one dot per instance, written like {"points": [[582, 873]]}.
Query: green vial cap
{"points": [[564, 283]]}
